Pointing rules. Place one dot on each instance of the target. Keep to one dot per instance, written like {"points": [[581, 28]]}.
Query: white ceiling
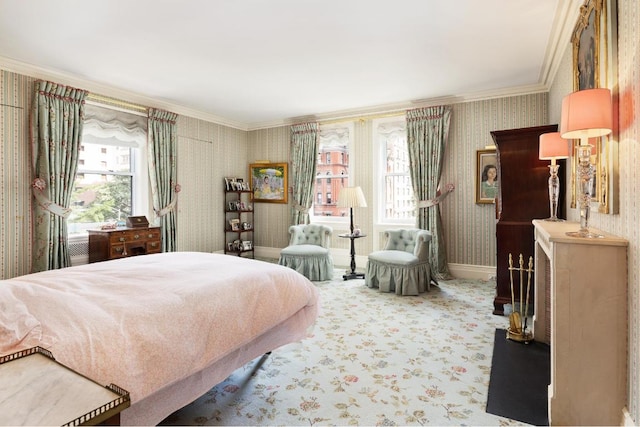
{"points": [[253, 62]]}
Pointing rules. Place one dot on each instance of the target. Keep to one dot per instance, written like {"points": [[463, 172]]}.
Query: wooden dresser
{"points": [[123, 242]]}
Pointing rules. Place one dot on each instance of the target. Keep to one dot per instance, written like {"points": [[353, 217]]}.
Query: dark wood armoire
{"points": [[523, 196]]}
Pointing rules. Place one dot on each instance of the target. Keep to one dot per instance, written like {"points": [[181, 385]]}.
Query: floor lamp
{"points": [[352, 197], [586, 114], [553, 147]]}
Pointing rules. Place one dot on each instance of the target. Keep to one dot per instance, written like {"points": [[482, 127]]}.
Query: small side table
{"points": [[352, 274], [37, 390]]}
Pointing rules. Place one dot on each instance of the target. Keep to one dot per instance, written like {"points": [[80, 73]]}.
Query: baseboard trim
{"points": [[467, 271]]}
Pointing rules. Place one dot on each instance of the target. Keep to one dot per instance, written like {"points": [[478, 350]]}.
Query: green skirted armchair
{"points": [[402, 266], [308, 251]]}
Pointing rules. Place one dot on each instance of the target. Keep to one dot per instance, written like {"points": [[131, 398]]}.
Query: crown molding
{"points": [[360, 113], [564, 22], [377, 110], [31, 70]]}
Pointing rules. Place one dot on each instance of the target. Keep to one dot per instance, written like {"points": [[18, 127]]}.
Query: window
{"points": [[333, 149], [111, 182], [396, 203]]}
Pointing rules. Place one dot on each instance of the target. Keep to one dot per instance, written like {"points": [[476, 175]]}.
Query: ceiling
{"points": [[249, 63]]}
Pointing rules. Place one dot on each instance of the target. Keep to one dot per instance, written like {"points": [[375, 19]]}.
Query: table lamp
{"points": [[351, 197], [553, 147], [586, 114]]}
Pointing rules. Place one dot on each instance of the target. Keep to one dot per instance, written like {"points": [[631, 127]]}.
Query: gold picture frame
{"points": [[268, 182], [594, 43], [487, 186]]}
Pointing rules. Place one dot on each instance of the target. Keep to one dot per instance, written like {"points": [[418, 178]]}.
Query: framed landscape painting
{"points": [[268, 182]]}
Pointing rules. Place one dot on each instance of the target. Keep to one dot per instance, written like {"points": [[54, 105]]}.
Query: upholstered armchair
{"points": [[308, 251], [402, 266]]}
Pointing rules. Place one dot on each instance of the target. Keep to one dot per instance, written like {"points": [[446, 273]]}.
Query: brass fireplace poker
{"points": [[517, 330]]}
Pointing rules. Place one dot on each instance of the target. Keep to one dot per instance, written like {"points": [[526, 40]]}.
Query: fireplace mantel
{"points": [[581, 312]]}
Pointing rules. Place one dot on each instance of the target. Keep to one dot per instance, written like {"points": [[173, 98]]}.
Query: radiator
{"points": [[79, 251]]}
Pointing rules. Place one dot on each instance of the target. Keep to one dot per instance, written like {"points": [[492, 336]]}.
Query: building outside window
{"points": [[396, 201], [333, 147], [103, 188]]}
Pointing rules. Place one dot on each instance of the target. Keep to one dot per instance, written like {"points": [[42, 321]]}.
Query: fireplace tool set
{"points": [[517, 330]]}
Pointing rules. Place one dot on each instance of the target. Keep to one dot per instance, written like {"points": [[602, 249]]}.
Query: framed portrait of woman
{"points": [[487, 186]]}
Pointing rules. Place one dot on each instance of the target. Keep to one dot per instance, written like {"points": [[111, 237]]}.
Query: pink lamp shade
{"points": [[586, 114], [553, 146]]}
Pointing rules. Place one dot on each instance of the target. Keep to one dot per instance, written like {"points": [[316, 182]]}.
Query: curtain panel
{"points": [[304, 149], [163, 173], [56, 122], [427, 134]]}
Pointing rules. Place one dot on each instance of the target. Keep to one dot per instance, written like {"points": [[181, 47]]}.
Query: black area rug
{"points": [[520, 376]]}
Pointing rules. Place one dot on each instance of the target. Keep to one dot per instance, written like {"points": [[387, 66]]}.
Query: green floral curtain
{"points": [[427, 134], [56, 122], [163, 173], [304, 150]]}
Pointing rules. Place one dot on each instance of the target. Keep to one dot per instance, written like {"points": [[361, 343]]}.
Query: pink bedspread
{"points": [[146, 322]]}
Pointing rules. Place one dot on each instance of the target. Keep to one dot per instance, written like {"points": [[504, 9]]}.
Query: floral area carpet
{"points": [[372, 359]]}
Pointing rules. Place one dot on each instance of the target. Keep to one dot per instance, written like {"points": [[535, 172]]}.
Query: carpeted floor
{"points": [[373, 359]]}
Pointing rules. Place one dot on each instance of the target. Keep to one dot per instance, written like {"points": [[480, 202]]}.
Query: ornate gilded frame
{"points": [[268, 182], [594, 43]]}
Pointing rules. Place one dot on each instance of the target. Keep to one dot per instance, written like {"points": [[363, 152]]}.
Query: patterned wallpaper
{"points": [[469, 227], [271, 219], [15, 179], [208, 152], [626, 224]]}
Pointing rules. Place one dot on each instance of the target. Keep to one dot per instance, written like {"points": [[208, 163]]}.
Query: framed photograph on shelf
{"points": [[487, 186], [268, 182], [235, 224], [595, 59], [228, 186]]}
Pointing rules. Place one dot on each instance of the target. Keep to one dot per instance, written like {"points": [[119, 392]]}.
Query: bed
{"points": [[165, 327]]}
